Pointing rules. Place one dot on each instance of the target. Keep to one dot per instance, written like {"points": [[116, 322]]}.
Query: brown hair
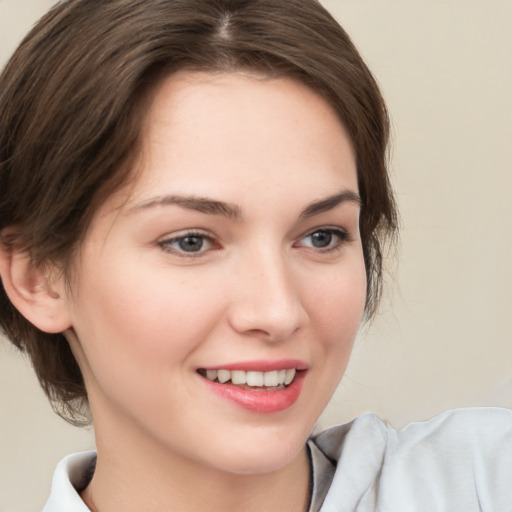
{"points": [[72, 103]]}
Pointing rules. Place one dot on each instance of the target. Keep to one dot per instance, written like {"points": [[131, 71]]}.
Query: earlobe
{"points": [[39, 299]]}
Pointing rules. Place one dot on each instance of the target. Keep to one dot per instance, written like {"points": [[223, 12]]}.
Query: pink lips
{"points": [[260, 400]]}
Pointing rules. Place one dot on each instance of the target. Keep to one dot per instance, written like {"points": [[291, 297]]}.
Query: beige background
{"points": [[443, 338]]}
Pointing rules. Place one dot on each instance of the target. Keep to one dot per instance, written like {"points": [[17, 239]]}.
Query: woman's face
{"points": [[235, 256]]}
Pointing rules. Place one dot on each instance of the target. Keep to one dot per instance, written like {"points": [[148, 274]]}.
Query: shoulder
{"points": [[460, 460], [72, 475], [460, 437], [356, 452], [461, 426], [366, 426]]}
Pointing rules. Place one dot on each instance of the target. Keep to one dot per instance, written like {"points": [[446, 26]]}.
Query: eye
{"points": [[188, 244], [324, 239]]}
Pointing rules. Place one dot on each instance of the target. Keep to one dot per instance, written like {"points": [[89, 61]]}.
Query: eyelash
{"points": [[166, 244], [341, 237]]}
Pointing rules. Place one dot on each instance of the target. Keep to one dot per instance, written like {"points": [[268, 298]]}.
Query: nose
{"points": [[266, 301]]}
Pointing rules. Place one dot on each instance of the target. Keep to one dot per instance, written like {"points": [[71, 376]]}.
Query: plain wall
{"points": [[443, 337]]}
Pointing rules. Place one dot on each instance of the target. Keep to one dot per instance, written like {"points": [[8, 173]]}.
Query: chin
{"points": [[263, 457]]}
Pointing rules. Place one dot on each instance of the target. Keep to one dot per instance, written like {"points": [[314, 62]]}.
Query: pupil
{"points": [[321, 239], [191, 243]]}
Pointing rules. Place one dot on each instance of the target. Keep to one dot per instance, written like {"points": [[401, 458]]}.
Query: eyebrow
{"points": [[200, 204], [232, 211], [329, 203]]}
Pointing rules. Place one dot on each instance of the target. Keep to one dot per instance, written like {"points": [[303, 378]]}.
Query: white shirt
{"points": [[460, 461]]}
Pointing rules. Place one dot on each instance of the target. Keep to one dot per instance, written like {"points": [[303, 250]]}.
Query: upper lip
{"points": [[262, 365]]}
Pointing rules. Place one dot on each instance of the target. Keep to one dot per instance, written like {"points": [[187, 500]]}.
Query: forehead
{"points": [[224, 134]]}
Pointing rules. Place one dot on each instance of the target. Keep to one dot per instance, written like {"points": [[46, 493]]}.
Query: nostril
{"points": [[268, 322]]}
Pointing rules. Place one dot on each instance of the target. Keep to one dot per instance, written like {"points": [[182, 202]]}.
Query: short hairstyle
{"points": [[73, 99]]}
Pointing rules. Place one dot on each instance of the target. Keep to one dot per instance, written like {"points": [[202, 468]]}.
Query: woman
{"points": [[194, 207]]}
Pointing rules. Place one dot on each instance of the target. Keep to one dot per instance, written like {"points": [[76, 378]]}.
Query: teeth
{"points": [[223, 375], [255, 379], [238, 377], [271, 379], [290, 375], [211, 374]]}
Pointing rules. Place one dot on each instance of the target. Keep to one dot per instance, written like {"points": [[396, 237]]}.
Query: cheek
{"points": [[127, 317], [339, 299], [336, 310]]}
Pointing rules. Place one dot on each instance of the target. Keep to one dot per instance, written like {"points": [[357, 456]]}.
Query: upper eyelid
{"points": [[206, 234], [184, 233], [333, 229]]}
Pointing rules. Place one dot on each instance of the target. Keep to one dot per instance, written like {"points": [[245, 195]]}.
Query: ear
{"points": [[32, 291]]}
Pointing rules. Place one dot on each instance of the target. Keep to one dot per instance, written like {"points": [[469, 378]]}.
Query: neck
{"points": [[135, 474]]}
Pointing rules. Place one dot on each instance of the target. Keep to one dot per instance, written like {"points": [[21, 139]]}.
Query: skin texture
{"points": [[144, 315]]}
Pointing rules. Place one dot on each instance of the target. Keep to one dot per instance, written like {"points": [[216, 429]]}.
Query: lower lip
{"points": [[260, 401]]}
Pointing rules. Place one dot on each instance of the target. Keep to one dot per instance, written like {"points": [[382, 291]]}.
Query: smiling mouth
{"points": [[265, 381]]}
